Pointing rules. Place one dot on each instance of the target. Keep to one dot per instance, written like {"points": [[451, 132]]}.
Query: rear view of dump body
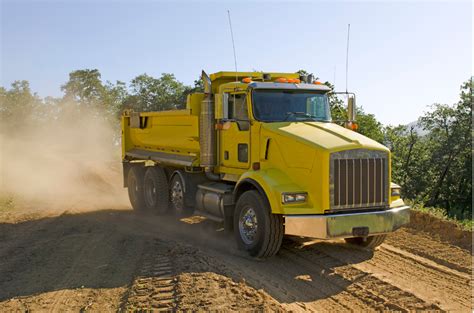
{"points": [[263, 157]]}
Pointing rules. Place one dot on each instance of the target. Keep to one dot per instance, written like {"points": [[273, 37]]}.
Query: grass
{"points": [[465, 224]]}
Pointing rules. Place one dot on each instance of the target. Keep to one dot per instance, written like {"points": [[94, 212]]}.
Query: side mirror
{"points": [[351, 108]]}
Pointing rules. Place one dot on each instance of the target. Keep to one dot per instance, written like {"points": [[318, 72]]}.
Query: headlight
{"points": [[297, 197]]}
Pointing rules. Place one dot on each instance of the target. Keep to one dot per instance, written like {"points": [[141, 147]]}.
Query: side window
{"points": [[235, 107], [238, 107]]}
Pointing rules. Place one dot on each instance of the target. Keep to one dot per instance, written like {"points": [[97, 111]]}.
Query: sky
{"points": [[403, 55]]}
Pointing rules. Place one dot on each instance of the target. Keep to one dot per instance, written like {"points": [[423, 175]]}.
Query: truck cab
{"points": [[271, 162]]}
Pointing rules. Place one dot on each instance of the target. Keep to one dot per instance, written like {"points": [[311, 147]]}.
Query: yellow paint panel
{"points": [[229, 143], [165, 132]]}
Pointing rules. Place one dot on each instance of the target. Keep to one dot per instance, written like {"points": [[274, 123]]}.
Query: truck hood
{"points": [[323, 136]]}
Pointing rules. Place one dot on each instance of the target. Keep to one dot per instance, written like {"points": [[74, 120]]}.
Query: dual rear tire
{"points": [[148, 189]]}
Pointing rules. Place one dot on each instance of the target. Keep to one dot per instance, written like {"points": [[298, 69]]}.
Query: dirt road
{"points": [[113, 260]]}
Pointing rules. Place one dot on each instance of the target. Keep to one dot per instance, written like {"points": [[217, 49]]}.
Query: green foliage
{"points": [[436, 169], [369, 126], [156, 94], [18, 103], [449, 141], [409, 160], [85, 87]]}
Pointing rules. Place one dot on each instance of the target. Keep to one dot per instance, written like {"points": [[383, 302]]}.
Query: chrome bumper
{"points": [[347, 225]]}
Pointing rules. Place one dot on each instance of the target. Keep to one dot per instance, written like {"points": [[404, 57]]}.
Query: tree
{"points": [[156, 94], [451, 154], [18, 104], [410, 160], [436, 168], [369, 126], [114, 97], [84, 87]]}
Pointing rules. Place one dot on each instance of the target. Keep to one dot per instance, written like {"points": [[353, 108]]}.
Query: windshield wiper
{"points": [[300, 114]]}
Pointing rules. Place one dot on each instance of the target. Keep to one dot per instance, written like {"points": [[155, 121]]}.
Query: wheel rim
{"points": [[177, 196], [150, 192], [248, 225]]}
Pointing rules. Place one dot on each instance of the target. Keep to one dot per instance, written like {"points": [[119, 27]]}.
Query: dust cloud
{"points": [[71, 161]]}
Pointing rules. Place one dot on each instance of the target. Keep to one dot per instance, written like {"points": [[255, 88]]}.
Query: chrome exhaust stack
{"points": [[207, 132]]}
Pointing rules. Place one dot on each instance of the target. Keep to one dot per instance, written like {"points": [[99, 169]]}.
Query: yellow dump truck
{"points": [[259, 153]]}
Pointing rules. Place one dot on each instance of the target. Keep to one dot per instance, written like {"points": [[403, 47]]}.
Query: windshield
{"points": [[290, 105]]}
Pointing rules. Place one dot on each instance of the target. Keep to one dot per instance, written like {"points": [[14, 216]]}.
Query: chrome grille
{"points": [[358, 179]]}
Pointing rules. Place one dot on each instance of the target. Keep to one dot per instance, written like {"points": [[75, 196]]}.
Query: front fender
{"points": [[273, 183]]}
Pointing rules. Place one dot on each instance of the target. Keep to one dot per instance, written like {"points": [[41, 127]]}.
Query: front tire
{"points": [[256, 229], [155, 187], [370, 242]]}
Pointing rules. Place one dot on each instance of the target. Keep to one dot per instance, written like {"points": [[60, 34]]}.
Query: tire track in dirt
{"points": [[422, 278], [346, 278], [173, 276], [302, 282], [120, 259], [424, 245], [376, 294], [279, 278], [153, 287], [426, 262]]}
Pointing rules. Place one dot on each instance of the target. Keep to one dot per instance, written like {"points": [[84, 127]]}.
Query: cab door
{"points": [[234, 138]]}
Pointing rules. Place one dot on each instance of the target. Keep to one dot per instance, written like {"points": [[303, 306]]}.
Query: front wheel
{"points": [[256, 229], [370, 242]]}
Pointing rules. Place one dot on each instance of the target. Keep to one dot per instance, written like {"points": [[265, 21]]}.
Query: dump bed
{"points": [[168, 137]]}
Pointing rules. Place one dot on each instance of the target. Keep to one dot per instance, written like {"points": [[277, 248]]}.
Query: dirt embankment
{"points": [[113, 260], [446, 231]]}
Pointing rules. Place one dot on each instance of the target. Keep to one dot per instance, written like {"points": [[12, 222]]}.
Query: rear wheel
{"points": [[135, 188], [155, 188], [370, 242], [257, 230], [179, 205]]}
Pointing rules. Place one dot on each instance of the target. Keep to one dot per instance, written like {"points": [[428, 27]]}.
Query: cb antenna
{"points": [[233, 45], [347, 52]]}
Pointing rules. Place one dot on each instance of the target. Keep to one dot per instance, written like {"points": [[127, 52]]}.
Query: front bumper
{"points": [[347, 225]]}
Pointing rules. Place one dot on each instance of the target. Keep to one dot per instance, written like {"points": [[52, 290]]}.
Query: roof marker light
{"points": [[247, 80]]}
